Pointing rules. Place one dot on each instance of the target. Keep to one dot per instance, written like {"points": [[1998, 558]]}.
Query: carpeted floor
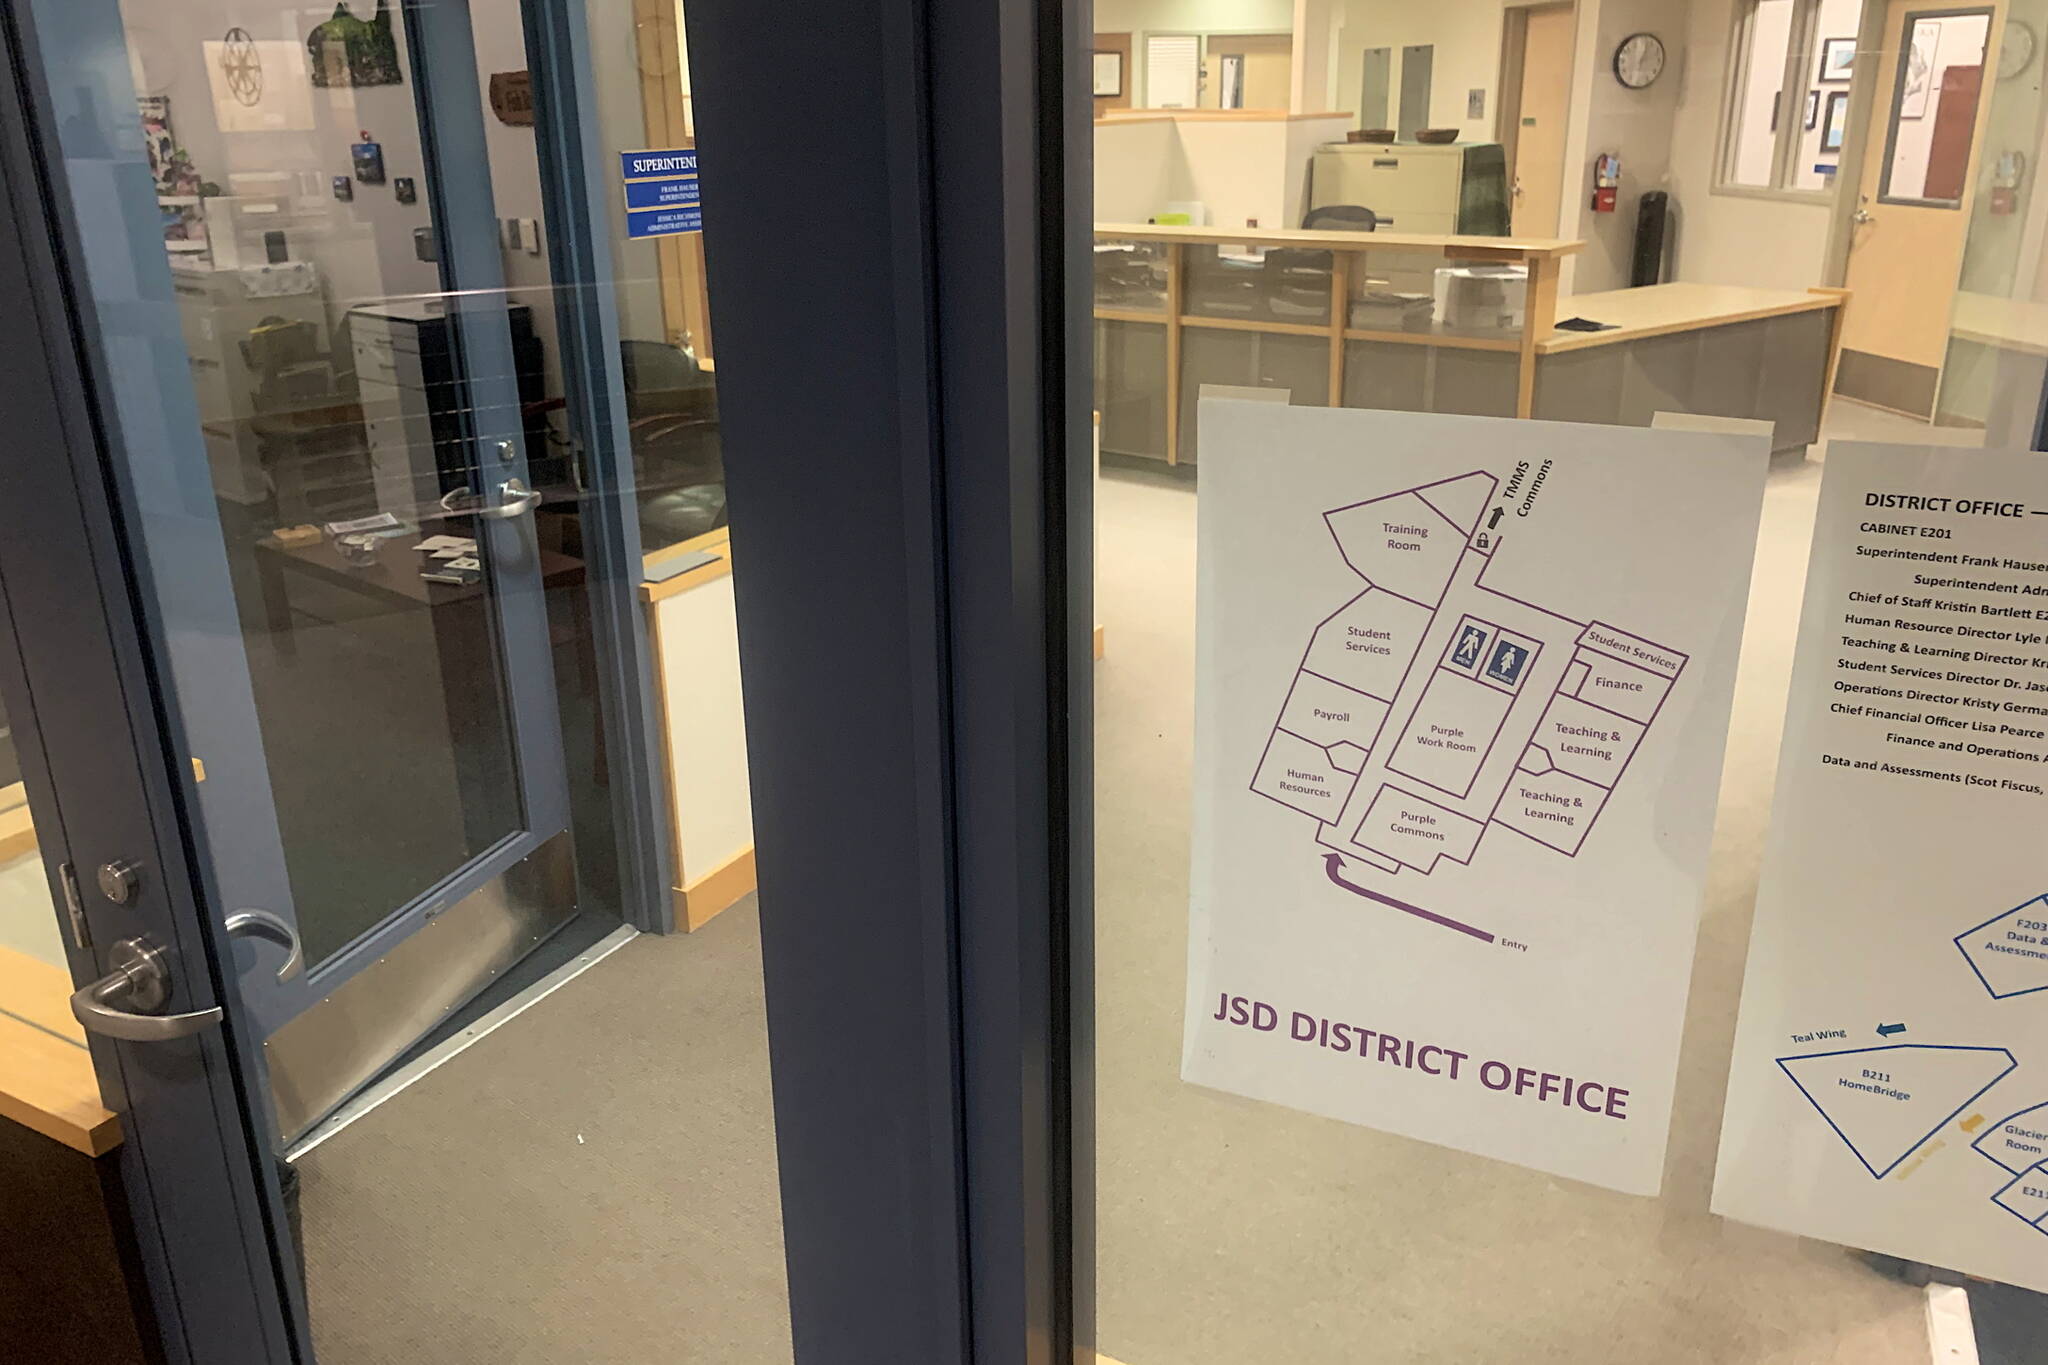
{"points": [[592, 1183], [595, 1181]]}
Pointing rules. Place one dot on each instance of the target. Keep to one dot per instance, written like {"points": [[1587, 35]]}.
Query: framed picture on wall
{"points": [[1836, 126], [1109, 73], [1919, 81], [1813, 109], [1837, 58]]}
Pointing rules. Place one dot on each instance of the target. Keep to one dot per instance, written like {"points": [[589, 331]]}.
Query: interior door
{"points": [[333, 470], [848, 691], [1914, 193], [1546, 92]]}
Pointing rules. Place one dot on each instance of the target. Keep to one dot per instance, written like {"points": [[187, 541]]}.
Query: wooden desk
{"points": [[47, 1082], [392, 578], [69, 1250]]}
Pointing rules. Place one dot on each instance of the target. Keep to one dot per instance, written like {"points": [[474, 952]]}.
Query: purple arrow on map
{"points": [[1332, 862]]}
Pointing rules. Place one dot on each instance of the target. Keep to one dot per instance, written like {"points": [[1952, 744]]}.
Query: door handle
{"points": [[118, 1005], [264, 925], [1862, 216], [516, 501]]}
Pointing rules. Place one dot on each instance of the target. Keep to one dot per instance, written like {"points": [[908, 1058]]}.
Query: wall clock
{"points": [[1639, 60], [2015, 50]]}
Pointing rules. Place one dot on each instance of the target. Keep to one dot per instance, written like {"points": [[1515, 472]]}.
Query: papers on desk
{"points": [[453, 560], [446, 547], [380, 521]]}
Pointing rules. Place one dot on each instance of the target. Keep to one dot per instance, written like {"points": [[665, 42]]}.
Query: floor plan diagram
{"points": [[1434, 705]]}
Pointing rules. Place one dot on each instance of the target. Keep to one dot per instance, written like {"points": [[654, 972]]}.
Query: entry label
{"points": [[662, 191]]}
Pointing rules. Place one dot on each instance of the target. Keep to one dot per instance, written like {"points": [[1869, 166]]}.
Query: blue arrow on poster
{"points": [[663, 194]]}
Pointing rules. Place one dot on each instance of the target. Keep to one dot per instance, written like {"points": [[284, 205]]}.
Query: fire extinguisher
{"points": [[1606, 181], [2006, 175]]}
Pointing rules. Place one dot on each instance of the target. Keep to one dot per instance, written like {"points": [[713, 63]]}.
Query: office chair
{"points": [[1298, 277], [1340, 218], [672, 419]]}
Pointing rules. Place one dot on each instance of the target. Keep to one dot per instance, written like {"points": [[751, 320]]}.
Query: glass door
{"points": [[592, 1164], [335, 447]]}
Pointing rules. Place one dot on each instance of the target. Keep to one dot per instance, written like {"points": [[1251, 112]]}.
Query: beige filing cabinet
{"points": [[1457, 188]]}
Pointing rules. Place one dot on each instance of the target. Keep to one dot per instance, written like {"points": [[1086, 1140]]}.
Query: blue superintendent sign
{"points": [[664, 222], [662, 192]]}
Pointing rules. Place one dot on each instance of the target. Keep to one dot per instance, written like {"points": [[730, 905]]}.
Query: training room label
{"points": [[663, 195], [1462, 690], [1890, 1081]]}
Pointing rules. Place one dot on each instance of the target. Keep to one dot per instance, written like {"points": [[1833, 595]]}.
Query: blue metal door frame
{"points": [[206, 1207]]}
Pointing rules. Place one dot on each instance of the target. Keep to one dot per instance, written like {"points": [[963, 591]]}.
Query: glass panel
{"points": [[1824, 115], [291, 177], [1255, 283], [45, 1070], [1998, 334], [10, 755], [489, 1171], [1265, 1188], [1933, 116], [1130, 276], [34, 980], [1753, 127], [663, 307]]}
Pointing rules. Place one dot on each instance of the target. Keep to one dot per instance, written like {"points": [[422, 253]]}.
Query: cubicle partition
{"points": [[1433, 323]]}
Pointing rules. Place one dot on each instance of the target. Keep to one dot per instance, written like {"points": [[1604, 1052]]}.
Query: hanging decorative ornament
{"points": [[242, 66], [349, 51]]}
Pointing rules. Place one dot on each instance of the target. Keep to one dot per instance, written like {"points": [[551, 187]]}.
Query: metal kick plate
{"points": [[323, 1056]]}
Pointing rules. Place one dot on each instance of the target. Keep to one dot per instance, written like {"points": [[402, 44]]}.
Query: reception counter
{"points": [[1433, 324]]}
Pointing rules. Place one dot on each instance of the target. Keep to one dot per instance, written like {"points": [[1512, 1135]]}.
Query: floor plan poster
{"points": [[1889, 1088], [1462, 693]]}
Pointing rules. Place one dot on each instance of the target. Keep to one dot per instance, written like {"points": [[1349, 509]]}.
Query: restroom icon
{"points": [[1509, 659], [1471, 644]]}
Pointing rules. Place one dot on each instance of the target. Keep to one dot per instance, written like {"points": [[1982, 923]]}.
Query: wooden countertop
{"points": [[1210, 116], [1446, 244], [47, 1081], [2010, 324], [1658, 309], [714, 542]]}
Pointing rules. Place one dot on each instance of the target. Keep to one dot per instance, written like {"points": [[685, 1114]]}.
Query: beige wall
{"points": [[1241, 170], [1139, 17], [1636, 125], [1466, 35]]}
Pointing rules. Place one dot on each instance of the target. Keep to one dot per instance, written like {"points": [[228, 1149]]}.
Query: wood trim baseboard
{"points": [[714, 892]]}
